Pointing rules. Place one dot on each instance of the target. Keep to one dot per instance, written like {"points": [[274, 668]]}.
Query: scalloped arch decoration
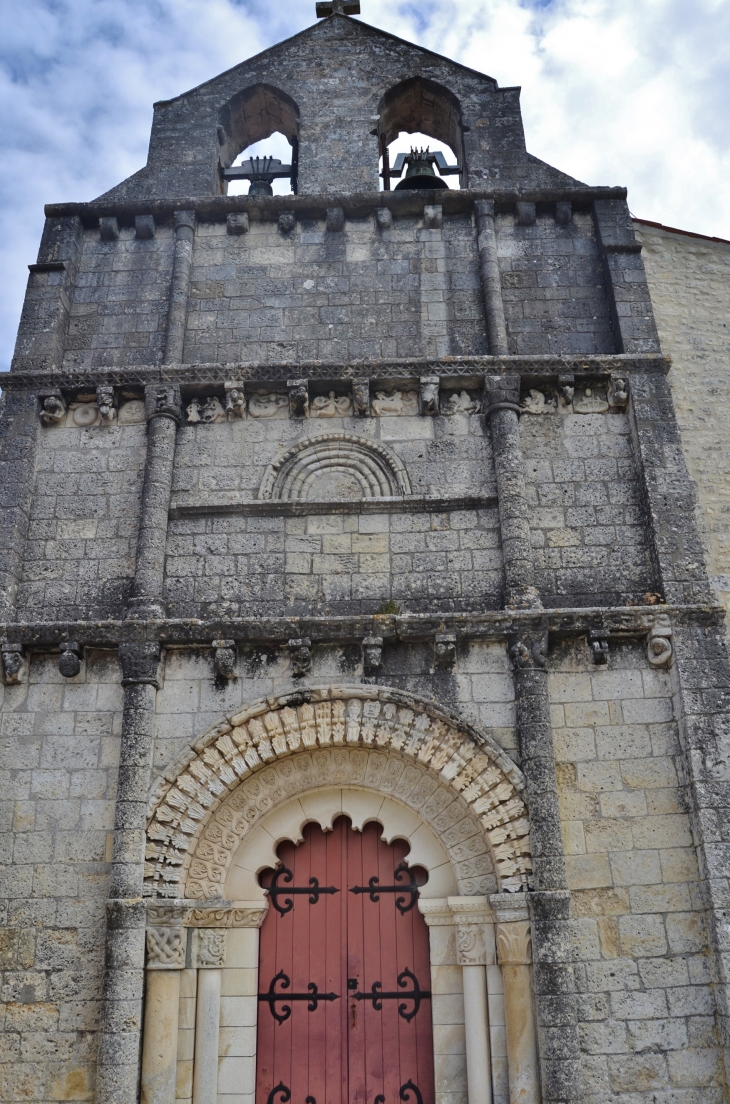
{"points": [[368, 466], [192, 833]]}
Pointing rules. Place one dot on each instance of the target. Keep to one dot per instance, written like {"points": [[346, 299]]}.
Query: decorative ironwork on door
{"points": [[344, 1001]]}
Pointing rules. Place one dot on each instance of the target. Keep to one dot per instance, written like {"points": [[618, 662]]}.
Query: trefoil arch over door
{"points": [[344, 975]]}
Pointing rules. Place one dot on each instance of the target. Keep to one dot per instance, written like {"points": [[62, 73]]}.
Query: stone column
{"points": [[471, 915], [209, 952], [513, 948], [121, 1013], [177, 310], [19, 433], [163, 407], [239, 1007], [491, 279], [502, 408], [447, 1010], [165, 962]]}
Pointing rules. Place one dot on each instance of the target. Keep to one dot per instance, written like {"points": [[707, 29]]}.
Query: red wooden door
{"points": [[344, 975]]}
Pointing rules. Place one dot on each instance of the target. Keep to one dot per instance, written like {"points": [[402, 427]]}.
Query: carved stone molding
{"points": [[514, 944], [367, 736], [234, 916], [165, 948], [208, 948], [374, 467]]}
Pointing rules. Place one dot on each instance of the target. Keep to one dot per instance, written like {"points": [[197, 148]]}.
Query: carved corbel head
{"points": [[372, 653], [14, 664], [225, 658], [429, 395], [659, 646], [618, 392], [361, 397], [598, 643], [163, 400], [106, 402], [69, 663], [445, 651], [298, 398], [53, 407], [235, 399], [301, 656]]}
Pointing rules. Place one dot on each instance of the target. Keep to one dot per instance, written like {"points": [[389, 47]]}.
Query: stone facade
{"points": [[372, 502]]}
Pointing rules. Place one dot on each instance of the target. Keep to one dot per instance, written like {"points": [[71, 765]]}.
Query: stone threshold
{"points": [[498, 625], [202, 505], [454, 372]]}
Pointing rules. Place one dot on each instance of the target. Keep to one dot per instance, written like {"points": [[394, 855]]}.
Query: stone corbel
{"points": [[15, 664], [659, 646], [298, 398], [566, 391], [238, 222], [335, 220], [144, 227], [235, 399], [384, 218], [598, 643], [529, 651], [108, 228], [433, 217], [69, 663], [445, 651], [428, 393], [361, 397], [301, 656], [287, 221], [618, 392], [526, 214], [224, 658], [106, 401], [53, 407], [563, 213], [372, 655]]}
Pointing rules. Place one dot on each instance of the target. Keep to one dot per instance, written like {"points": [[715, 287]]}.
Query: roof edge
{"points": [[683, 233]]}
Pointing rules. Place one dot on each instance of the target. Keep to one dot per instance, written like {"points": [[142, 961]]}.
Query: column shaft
{"points": [[177, 310], [491, 279], [524, 1084], [207, 1032], [159, 1055], [149, 576], [501, 398], [478, 1064]]}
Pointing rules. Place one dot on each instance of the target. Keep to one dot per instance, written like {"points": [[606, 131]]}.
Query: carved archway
{"points": [[373, 738], [369, 469]]}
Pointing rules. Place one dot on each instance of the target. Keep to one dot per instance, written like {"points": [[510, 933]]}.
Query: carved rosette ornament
{"points": [[514, 943]]}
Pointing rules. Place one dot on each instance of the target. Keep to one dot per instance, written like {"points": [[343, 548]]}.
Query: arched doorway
{"points": [[344, 974]]}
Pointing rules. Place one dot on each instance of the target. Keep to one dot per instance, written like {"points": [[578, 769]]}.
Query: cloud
{"points": [[627, 92]]}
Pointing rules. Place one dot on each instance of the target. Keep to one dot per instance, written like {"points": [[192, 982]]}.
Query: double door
{"points": [[344, 1013]]}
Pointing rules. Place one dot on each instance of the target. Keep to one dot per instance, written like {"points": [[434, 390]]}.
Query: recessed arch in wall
{"points": [[453, 776], [335, 466], [253, 115]]}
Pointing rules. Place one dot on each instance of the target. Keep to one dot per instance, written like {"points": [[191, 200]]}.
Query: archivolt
{"points": [[376, 468], [195, 824]]}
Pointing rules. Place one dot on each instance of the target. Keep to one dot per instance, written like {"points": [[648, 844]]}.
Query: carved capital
{"points": [[15, 664], [163, 401], [165, 949], [514, 944], [659, 646], [184, 220], [501, 393], [140, 664], [528, 652], [208, 948], [470, 946]]}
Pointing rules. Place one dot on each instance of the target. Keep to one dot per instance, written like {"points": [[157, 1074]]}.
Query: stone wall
{"points": [[689, 280]]}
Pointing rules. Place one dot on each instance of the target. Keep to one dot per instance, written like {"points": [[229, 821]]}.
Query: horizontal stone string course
{"points": [[186, 809]]}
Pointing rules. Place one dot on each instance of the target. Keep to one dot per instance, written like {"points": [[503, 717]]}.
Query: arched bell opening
{"points": [[420, 138], [258, 137]]}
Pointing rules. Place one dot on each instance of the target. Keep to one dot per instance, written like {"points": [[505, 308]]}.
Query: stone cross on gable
{"points": [[338, 7]]}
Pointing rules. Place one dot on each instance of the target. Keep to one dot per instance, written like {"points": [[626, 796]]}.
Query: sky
{"points": [[630, 92]]}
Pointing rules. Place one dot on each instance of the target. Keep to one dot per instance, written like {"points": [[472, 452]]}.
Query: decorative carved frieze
{"points": [[460, 402], [391, 403], [659, 646], [163, 401], [224, 658], [535, 402], [15, 665], [331, 406], [231, 917]]}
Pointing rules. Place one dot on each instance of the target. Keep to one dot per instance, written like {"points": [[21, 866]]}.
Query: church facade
{"points": [[365, 705]]}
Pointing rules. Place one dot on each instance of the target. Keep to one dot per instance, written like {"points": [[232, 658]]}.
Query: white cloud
{"points": [[630, 92]]}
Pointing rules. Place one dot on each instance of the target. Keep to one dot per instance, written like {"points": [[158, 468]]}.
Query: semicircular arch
{"points": [[374, 468], [278, 748]]}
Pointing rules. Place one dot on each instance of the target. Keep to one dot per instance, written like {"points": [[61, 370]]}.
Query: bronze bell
{"points": [[261, 177], [420, 172]]}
